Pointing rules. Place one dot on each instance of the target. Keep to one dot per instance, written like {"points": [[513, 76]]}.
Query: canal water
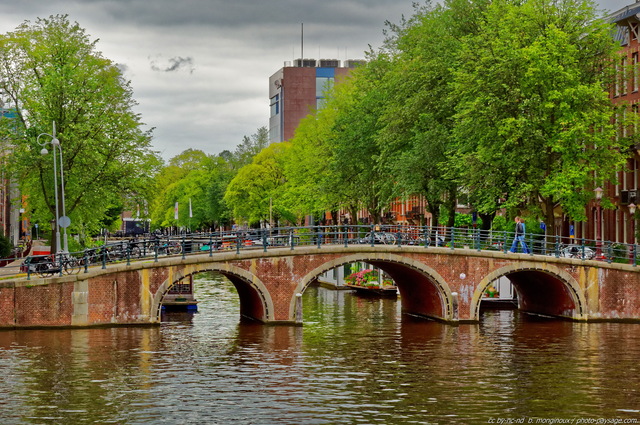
{"points": [[355, 361]]}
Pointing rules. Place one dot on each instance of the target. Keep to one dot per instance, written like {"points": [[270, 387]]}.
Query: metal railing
{"points": [[154, 247]]}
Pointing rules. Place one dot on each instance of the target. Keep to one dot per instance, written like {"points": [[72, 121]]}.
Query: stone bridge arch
{"points": [[541, 288], [255, 299], [423, 291]]}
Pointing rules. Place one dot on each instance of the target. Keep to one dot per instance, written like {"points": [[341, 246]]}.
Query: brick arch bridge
{"points": [[433, 282]]}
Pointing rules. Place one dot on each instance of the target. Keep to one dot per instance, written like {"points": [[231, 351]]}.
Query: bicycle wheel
{"points": [[71, 266], [174, 248], [45, 269]]}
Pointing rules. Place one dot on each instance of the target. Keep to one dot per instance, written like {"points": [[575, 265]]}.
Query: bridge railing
{"points": [[157, 246]]}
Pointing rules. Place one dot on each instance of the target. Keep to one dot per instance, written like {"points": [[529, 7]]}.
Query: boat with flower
{"points": [[369, 282]]}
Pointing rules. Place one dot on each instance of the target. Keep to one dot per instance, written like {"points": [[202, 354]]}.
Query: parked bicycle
{"points": [[168, 247], [49, 265]]}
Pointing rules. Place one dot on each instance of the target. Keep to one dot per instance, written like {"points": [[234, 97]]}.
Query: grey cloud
{"points": [[230, 14], [174, 64]]}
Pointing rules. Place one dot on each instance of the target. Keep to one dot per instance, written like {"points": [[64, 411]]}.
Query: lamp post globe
{"points": [[598, 193]]}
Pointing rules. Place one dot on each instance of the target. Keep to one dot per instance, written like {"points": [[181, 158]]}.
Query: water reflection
{"points": [[355, 360]]}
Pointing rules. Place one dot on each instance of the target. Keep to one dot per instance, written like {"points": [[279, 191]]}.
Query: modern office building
{"points": [[297, 90]]}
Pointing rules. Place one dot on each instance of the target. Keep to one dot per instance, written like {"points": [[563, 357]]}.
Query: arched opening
{"points": [[551, 293], [543, 293], [422, 291], [209, 297], [254, 300]]}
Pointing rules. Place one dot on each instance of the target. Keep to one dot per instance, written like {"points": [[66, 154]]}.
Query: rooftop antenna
{"points": [[302, 44]]}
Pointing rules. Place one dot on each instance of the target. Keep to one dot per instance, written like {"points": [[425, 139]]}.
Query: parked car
{"points": [[386, 238], [438, 241], [576, 251], [35, 263]]}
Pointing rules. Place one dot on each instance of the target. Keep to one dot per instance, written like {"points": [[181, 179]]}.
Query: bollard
{"points": [[426, 236], [298, 308], [372, 235], [28, 264], [531, 242], [264, 241], [504, 242], [345, 237], [455, 303]]}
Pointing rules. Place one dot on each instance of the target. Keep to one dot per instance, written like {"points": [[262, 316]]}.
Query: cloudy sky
{"points": [[200, 68]]}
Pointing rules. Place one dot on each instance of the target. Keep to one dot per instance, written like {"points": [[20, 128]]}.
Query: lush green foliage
{"points": [[251, 193], [52, 72], [6, 247], [506, 100], [197, 182], [534, 121]]}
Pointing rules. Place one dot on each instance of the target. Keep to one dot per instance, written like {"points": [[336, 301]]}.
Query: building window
{"points": [[623, 76], [275, 105], [323, 84], [634, 71], [616, 84]]}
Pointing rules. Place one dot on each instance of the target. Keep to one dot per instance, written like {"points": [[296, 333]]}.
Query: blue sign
{"points": [[543, 226]]}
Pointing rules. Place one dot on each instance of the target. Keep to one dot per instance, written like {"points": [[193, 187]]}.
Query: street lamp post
{"points": [[598, 192], [632, 216], [64, 220]]}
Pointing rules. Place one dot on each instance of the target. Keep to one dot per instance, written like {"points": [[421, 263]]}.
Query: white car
{"points": [[576, 251]]}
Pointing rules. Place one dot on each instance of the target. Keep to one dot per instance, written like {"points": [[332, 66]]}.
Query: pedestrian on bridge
{"points": [[519, 236]]}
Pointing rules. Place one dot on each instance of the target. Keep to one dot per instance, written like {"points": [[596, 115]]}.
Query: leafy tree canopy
{"points": [[52, 72]]}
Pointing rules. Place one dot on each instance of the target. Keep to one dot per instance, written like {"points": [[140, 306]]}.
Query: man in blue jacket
{"points": [[519, 236]]}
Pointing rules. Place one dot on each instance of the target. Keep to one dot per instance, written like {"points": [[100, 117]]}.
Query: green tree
{"points": [[534, 121], [249, 148], [53, 73], [416, 138], [310, 186], [6, 247], [354, 173], [253, 193]]}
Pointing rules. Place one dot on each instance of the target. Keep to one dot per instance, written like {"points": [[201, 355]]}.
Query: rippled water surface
{"points": [[355, 361]]}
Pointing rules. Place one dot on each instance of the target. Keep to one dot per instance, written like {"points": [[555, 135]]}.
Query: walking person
{"points": [[519, 236]]}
